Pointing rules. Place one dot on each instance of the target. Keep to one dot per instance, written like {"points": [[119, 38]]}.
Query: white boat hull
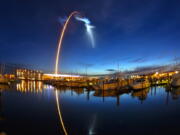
{"points": [[140, 85]]}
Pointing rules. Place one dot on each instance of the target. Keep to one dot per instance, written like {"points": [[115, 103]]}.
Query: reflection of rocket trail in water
{"points": [[59, 113]]}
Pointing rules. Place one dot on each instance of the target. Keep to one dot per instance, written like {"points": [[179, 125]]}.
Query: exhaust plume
{"points": [[89, 28]]}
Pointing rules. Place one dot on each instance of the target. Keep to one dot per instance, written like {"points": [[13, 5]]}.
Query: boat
{"points": [[72, 84], [122, 85], [110, 85], [3, 80], [175, 80], [140, 84]]}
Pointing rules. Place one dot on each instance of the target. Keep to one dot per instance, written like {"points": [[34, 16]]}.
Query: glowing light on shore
{"points": [[59, 113], [61, 75]]}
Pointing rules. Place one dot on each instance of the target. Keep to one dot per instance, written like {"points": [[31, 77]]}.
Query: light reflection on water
{"points": [[30, 108], [30, 86]]}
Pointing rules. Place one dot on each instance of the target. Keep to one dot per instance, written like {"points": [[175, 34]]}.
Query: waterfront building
{"points": [[27, 74]]}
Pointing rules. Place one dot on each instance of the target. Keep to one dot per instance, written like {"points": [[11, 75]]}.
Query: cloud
{"points": [[138, 60], [110, 70], [152, 69]]}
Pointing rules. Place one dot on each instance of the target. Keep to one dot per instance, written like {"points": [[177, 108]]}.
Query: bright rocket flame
{"points": [[61, 39], [89, 28]]}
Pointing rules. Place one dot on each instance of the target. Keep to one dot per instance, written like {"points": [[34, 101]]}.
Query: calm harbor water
{"points": [[29, 108]]}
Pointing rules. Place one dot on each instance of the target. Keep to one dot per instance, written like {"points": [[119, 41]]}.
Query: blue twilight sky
{"points": [[133, 33]]}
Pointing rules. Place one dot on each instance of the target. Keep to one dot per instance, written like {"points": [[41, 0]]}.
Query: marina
{"points": [[151, 109], [90, 67]]}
